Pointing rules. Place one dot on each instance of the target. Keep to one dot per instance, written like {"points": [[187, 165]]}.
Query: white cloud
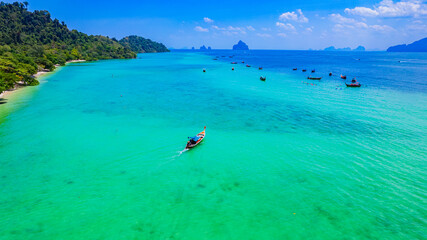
{"points": [[200, 29], [286, 26], [217, 28], [297, 16], [230, 30], [387, 8], [417, 27], [208, 20], [250, 28], [338, 18], [381, 28], [362, 11], [309, 29], [264, 35], [266, 29], [343, 24], [283, 35]]}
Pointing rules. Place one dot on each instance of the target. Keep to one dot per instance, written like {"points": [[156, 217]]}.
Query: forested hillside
{"points": [[142, 45], [31, 41]]}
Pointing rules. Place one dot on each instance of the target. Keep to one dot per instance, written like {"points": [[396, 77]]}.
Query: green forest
{"points": [[142, 45], [32, 41]]}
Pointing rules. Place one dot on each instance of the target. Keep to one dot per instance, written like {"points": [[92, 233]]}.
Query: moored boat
{"points": [[313, 71], [304, 70], [330, 74], [260, 68], [247, 65], [353, 83], [194, 141], [343, 77], [262, 78], [314, 78], [295, 69], [204, 70], [233, 62]]}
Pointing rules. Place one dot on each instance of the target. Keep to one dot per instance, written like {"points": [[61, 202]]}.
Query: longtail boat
{"points": [[194, 141], [343, 77], [262, 78], [295, 69], [247, 65], [353, 83], [314, 78], [304, 70]]}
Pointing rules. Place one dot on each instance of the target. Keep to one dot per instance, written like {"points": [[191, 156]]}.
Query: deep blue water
{"points": [[399, 71]]}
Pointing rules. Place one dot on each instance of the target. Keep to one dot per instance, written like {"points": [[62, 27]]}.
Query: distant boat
{"points": [[233, 62], [343, 77], [243, 61], [232, 69], [194, 141], [262, 78], [353, 83], [304, 70], [330, 74], [260, 68], [313, 71], [247, 65], [215, 59], [314, 78], [295, 69], [204, 70]]}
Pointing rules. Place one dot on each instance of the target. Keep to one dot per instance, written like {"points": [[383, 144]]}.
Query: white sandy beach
{"points": [[37, 75]]}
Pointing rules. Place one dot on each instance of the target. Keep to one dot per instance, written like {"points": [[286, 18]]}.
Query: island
{"points": [[417, 46], [33, 42], [359, 49], [332, 48], [240, 46]]}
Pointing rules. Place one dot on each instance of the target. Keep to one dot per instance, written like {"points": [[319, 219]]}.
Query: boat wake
{"points": [[183, 151]]}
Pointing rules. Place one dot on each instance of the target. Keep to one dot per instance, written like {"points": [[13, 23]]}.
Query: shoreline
{"points": [[36, 75]]}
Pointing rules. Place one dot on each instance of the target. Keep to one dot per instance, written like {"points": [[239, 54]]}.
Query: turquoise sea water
{"points": [[94, 151]]}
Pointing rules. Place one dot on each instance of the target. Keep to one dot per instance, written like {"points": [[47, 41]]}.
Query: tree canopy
{"points": [[142, 45]]}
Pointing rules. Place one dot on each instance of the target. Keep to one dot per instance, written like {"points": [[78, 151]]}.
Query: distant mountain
{"points": [[240, 46], [332, 48], [359, 48], [142, 45], [417, 46]]}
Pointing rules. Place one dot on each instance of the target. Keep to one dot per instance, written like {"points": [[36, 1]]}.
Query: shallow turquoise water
{"points": [[94, 153]]}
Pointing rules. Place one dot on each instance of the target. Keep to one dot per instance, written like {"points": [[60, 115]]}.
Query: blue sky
{"points": [[270, 24]]}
